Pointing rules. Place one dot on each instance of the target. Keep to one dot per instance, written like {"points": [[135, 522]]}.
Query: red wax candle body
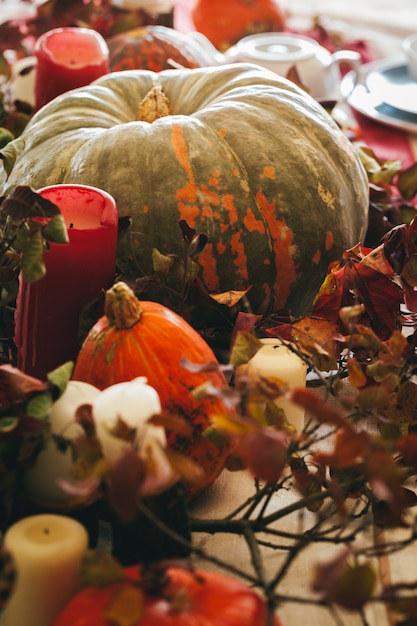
{"points": [[48, 311], [68, 58]]}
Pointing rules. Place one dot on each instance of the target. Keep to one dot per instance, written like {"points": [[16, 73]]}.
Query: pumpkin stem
{"points": [[121, 306], [154, 105]]}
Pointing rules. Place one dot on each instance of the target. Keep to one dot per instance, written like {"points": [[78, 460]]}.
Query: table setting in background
{"points": [[208, 404]]}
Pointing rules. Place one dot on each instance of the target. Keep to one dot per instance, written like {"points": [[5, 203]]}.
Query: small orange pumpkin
{"points": [[147, 339], [188, 598], [224, 23]]}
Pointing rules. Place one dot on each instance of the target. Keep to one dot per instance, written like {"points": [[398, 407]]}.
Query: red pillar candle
{"points": [[68, 58], [48, 311]]}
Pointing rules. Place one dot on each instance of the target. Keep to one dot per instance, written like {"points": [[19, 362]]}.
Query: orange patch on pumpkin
{"points": [[269, 172], [240, 259], [282, 238], [329, 240], [214, 179], [317, 257], [210, 276], [228, 204], [221, 248], [209, 196], [251, 223]]}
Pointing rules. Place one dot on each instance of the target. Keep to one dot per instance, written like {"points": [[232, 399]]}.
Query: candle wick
{"points": [[71, 225], [46, 531]]}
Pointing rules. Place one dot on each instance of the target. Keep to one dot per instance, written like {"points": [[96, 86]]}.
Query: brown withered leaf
{"points": [[354, 587], [173, 423], [407, 446], [320, 409], [185, 467], [349, 449], [14, 384], [357, 377], [123, 482], [265, 453], [320, 338], [230, 298], [244, 348], [326, 571], [24, 203]]}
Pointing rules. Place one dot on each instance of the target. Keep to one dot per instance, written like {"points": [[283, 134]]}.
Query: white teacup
{"points": [[318, 70], [410, 49]]}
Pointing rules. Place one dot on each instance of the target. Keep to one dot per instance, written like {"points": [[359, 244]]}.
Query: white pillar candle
{"points": [[47, 550], [134, 402], [275, 360], [40, 481]]}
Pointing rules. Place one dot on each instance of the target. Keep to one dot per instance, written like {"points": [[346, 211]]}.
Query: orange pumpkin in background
{"points": [[154, 48], [225, 22]]}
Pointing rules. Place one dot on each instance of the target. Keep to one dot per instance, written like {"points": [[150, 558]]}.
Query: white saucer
{"points": [[395, 87], [358, 93]]}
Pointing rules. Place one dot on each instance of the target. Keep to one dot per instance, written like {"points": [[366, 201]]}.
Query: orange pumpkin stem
{"points": [[121, 307]]}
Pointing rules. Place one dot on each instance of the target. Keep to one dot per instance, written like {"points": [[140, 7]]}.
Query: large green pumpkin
{"points": [[246, 157]]}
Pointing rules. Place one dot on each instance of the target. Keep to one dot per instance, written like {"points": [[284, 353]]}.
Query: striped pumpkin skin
{"points": [[154, 48], [247, 158]]}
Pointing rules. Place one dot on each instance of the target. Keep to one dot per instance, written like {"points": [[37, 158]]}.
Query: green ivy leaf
{"points": [[39, 406], [161, 263], [56, 230], [59, 378], [407, 182], [32, 264], [8, 424], [244, 348]]}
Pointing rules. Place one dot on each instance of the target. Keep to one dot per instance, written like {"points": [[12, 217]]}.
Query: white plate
{"points": [[395, 87], [356, 92]]}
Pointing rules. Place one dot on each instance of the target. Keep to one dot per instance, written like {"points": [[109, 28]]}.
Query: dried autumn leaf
{"points": [[407, 182], [373, 398], [18, 383], [99, 569], [409, 272], [407, 446], [126, 606], [122, 485], [265, 453], [357, 377], [161, 263], [320, 409], [319, 338], [350, 448], [353, 587], [230, 298], [244, 348], [186, 468], [326, 571]]}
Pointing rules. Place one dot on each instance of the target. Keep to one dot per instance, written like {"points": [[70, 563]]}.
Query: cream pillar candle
{"points": [[40, 480], [274, 359], [134, 402], [47, 550]]}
